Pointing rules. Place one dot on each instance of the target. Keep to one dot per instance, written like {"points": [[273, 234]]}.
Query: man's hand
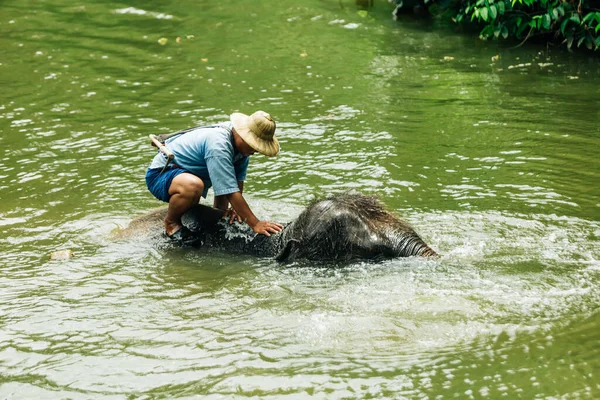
{"points": [[264, 227], [232, 215], [238, 203]]}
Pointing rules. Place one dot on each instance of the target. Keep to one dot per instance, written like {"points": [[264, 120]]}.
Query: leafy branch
{"points": [[574, 22]]}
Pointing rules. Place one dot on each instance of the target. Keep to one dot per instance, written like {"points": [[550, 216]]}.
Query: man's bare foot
{"points": [[172, 227]]}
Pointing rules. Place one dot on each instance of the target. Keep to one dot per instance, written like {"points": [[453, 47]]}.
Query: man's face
{"points": [[242, 146], [245, 148]]}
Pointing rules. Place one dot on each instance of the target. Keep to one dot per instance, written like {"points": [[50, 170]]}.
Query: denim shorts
{"points": [[158, 183]]}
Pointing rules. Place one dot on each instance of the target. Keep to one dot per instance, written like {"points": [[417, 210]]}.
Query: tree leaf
{"points": [[484, 14], [555, 13], [497, 31], [520, 29], [504, 32], [580, 41], [546, 20], [487, 31], [564, 25], [493, 12], [500, 6], [589, 16]]}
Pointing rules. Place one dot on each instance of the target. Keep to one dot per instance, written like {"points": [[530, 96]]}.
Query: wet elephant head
{"points": [[344, 227]]}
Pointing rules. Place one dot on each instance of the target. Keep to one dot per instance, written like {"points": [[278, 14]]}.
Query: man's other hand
{"points": [[232, 215]]}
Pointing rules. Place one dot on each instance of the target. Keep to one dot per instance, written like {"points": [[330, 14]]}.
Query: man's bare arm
{"points": [[242, 209], [222, 203]]}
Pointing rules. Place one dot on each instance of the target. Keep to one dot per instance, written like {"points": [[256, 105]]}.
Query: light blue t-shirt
{"points": [[210, 154]]}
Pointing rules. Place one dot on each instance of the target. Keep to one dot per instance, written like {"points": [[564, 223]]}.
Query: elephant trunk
{"points": [[406, 244]]}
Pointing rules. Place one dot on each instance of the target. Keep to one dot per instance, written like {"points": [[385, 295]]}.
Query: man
{"points": [[216, 156]]}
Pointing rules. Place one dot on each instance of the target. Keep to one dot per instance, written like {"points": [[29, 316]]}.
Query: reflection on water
{"points": [[492, 161]]}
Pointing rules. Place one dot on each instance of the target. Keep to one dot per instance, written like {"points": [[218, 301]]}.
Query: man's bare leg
{"points": [[185, 191]]}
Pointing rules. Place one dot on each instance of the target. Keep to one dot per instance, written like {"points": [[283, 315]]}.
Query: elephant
{"points": [[340, 228]]}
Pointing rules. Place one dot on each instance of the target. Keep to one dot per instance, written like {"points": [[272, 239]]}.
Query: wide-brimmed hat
{"points": [[258, 130]]}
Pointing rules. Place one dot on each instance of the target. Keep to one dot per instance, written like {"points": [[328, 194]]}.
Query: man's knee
{"points": [[187, 185]]}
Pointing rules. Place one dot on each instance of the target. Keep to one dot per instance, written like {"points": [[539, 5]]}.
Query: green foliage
{"points": [[573, 22]]}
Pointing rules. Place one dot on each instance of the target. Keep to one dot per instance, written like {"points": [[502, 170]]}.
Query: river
{"points": [[491, 153]]}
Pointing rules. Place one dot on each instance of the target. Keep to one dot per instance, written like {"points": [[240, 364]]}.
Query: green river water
{"points": [[495, 164]]}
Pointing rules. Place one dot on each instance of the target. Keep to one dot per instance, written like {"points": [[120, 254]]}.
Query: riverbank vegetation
{"points": [[574, 23]]}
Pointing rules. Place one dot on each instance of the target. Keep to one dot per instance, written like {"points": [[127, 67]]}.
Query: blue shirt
{"points": [[210, 154]]}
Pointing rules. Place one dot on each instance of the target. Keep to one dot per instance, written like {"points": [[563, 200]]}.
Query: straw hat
{"points": [[258, 130]]}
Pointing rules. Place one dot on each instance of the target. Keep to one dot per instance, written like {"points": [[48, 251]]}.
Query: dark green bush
{"points": [[573, 22]]}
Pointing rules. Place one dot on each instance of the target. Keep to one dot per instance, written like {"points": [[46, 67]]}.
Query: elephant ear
{"points": [[289, 251]]}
